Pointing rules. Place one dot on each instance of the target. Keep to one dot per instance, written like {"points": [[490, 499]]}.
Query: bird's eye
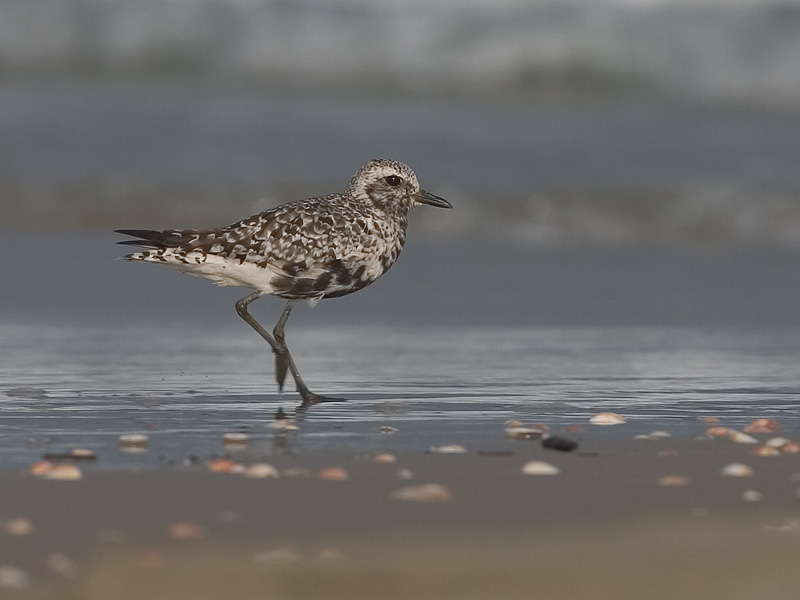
{"points": [[393, 180]]}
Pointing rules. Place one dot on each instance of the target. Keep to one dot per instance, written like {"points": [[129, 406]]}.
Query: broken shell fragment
{"points": [[766, 451], [737, 470], [63, 473], [262, 471], [673, 481], [539, 467], [429, 492], [791, 448], [388, 429], [777, 442], [526, 432], [18, 527], [41, 467], [333, 474], [718, 432], [449, 449], [385, 458], [235, 439], [762, 426], [607, 418], [225, 465], [186, 531], [752, 496], [82, 453], [133, 442], [737, 437]]}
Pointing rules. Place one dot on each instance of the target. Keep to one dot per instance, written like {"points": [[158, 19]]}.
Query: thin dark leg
{"points": [[277, 341]]}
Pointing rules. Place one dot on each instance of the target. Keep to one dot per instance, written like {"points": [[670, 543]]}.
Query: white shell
{"points": [[738, 437], [752, 496], [607, 418], [262, 471], [539, 467], [428, 492], [777, 442], [449, 449], [737, 470], [235, 439]]}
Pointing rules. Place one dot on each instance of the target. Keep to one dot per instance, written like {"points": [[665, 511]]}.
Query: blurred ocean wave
{"points": [[728, 52], [545, 122]]}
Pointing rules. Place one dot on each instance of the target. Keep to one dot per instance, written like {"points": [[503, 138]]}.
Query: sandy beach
{"points": [[608, 525]]}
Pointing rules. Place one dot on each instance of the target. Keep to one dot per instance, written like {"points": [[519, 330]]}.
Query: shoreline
{"points": [[604, 527]]}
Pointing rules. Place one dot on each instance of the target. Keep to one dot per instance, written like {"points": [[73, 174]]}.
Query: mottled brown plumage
{"points": [[310, 249]]}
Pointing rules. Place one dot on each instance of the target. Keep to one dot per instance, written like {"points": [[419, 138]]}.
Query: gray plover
{"points": [[322, 247]]}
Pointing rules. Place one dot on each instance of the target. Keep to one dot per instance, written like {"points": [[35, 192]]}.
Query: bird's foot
{"points": [[310, 398]]}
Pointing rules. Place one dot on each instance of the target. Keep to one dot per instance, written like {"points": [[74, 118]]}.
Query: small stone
{"points": [[555, 442], [388, 429]]}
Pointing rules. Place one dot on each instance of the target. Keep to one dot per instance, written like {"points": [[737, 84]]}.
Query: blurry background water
{"points": [[624, 172]]}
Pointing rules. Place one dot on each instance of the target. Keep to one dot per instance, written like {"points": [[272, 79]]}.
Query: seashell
{"points": [[660, 434], [385, 458], [673, 481], [388, 429], [718, 432], [607, 418], [766, 451], [62, 565], [514, 423], [539, 467], [133, 442], [523, 432], [449, 449], [41, 467], [225, 465], [18, 527], [762, 426], [752, 496], [14, 578], [333, 474], [737, 470], [405, 474], [63, 473], [710, 420], [262, 471], [737, 437], [186, 531], [429, 492], [667, 453], [235, 439], [791, 448], [82, 453], [777, 442]]}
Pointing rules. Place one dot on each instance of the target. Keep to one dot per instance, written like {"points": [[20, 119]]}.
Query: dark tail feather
{"points": [[147, 238]]}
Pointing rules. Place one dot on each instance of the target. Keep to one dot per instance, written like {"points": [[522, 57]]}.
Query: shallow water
{"points": [[96, 349]]}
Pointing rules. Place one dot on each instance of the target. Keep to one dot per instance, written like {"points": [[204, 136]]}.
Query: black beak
{"points": [[428, 198]]}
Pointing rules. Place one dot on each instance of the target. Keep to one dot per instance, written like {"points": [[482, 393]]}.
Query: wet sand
{"points": [[601, 528]]}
